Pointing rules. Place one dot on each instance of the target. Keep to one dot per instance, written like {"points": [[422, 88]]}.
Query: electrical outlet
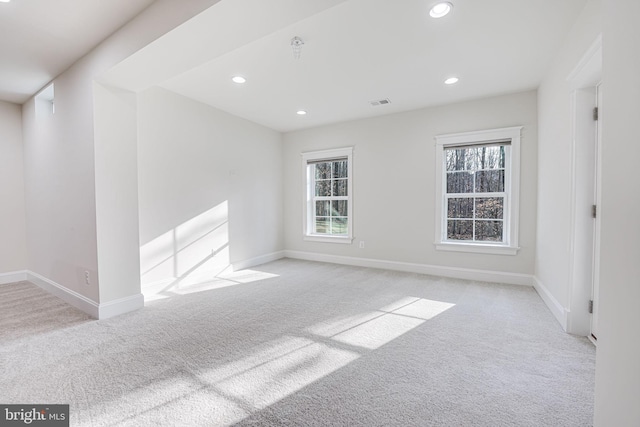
{"points": [[361, 244], [86, 278]]}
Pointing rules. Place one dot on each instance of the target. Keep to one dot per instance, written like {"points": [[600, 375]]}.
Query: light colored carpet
{"points": [[307, 344], [26, 310]]}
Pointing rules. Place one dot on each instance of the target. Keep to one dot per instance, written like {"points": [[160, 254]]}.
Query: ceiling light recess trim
{"points": [[451, 81], [441, 9], [238, 79]]}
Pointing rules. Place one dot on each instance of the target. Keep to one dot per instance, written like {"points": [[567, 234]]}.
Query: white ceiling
{"points": [[39, 39], [363, 50], [355, 51]]}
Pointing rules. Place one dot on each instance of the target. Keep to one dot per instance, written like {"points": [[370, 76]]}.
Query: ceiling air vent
{"points": [[380, 102]]}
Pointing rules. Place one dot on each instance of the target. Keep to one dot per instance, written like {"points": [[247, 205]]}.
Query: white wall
{"points": [[394, 182], [210, 189], [13, 252], [618, 351], [59, 187], [60, 172], [116, 166], [554, 222]]}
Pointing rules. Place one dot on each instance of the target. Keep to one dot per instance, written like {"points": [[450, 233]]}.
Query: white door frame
{"points": [[595, 289], [583, 245]]}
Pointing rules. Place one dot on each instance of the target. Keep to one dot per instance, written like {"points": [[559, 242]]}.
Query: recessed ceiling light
{"points": [[238, 79], [451, 80], [5, 1], [440, 9], [301, 112]]}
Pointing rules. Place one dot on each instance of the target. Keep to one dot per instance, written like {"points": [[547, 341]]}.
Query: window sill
{"points": [[477, 248], [328, 239]]}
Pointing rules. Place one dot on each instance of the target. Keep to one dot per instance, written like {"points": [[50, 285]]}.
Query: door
{"points": [[595, 288]]}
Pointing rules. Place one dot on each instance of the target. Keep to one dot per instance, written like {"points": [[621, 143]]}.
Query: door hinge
{"points": [[590, 306], [594, 211], [595, 113]]}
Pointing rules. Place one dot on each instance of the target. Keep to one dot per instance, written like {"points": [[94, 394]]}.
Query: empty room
{"points": [[319, 213]]}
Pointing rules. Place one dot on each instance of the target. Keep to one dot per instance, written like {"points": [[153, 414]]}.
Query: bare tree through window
{"points": [[475, 193]]}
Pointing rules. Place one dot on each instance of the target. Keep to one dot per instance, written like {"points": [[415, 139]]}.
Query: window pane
{"points": [[490, 181], [339, 225], [461, 159], [490, 157], [489, 231], [473, 158], [459, 182], [323, 188], [323, 170], [340, 187], [340, 169], [455, 160], [339, 208], [323, 208], [460, 208], [489, 207], [323, 225], [459, 230]]}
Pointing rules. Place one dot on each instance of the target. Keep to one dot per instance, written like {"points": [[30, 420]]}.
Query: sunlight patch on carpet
{"points": [[282, 367], [278, 370], [424, 309], [377, 328], [378, 332], [224, 279]]}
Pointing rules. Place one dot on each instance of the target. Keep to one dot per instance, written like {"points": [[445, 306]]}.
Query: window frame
{"points": [[308, 188], [511, 207]]}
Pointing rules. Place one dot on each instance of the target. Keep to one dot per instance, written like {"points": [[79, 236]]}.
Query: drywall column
{"points": [[60, 176], [116, 163], [618, 353], [13, 253]]}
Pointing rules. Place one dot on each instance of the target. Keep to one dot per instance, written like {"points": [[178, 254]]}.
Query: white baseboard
{"points": [[558, 311], [13, 276], [435, 270], [93, 309], [71, 297], [120, 306], [262, 259]]}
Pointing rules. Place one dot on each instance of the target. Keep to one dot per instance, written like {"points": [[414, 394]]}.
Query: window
{"points": [[477, 183], [45, 102], [475, 192], [328, 208]]}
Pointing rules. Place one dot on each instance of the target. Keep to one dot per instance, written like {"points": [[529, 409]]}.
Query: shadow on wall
{"points": [[191, 253]]}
